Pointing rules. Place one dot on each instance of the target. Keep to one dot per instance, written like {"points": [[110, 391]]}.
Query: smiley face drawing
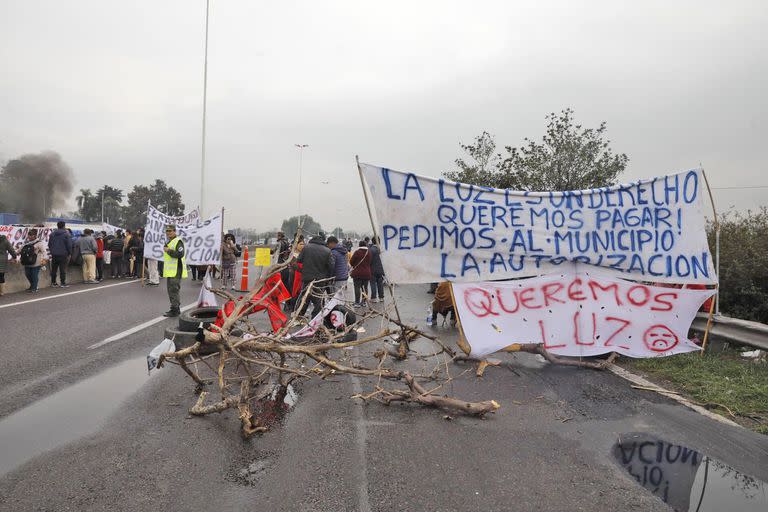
{"points": [[660, 338]]}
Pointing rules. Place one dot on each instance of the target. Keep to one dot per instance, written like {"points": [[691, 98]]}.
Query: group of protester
{"points": [[324, 264], [91, 250]]}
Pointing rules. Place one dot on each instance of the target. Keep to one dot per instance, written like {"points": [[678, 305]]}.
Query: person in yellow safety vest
{"points": [[174, 268]]}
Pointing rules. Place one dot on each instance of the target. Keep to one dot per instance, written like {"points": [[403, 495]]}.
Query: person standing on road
{"points": [[60, 248], [230, 251], [88, 249], [174, 268], [317, 267], [100, 256], [32, 256], [6, 249], [361, 272], [377, 272], [340, 263], [136, 248], [116, 247], [283, 254]]}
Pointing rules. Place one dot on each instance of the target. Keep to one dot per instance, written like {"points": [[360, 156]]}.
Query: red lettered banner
{"points": [[579, 312]]}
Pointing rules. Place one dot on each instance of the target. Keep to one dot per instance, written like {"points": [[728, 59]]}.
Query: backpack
{"points": [[28, 256], [76, 258]]}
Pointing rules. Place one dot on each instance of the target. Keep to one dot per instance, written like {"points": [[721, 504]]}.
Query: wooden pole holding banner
{"points": [[402, 350], [716, 298], [221, 245], [462, 343]]}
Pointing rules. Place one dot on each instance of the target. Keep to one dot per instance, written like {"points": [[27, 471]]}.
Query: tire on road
{"points": [[190, 320], [185, 339]]}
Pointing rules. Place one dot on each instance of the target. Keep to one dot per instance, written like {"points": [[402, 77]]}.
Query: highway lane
{"points": [[547, 448], [45, 336]]}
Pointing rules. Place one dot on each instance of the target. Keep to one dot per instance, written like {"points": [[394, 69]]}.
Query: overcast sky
{"points": [[116, 88]]}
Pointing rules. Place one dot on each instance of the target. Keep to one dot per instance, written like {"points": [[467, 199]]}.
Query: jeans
{"points": [[138, 265], [99, 269], [117, 265], [313, 298], [361, 285], [59, 263], [33, 276], [377, 285]]}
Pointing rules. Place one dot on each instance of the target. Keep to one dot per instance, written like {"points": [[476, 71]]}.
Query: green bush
{"points": [[743, 264]]}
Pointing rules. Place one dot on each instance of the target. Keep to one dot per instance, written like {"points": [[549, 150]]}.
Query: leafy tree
{"points": [[164, 198], [291, 225], [743, 265], [482, 167], [570, 157], [88, 207]]}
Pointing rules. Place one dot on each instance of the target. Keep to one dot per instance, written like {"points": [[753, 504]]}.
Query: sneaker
{"points": [[64, 285], [54, 285], [172, 313]]}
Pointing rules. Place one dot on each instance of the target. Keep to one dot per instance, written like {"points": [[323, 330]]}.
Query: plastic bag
{"points": [[165, 346]]}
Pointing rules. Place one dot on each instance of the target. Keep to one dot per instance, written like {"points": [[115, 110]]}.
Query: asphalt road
{"points": [[130, 445]]}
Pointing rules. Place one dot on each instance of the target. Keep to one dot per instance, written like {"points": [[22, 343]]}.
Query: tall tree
{"points": [[291, 225], [570, 157], [88, 207], [164, 198]]}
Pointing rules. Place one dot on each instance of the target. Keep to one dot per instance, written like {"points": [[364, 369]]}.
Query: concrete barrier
{"points": [[16, 281]]}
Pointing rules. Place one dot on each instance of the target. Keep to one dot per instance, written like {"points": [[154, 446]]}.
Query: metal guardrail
{"points": [[734, 330]]}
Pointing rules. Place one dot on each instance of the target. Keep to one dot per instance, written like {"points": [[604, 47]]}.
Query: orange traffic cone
{"points": [[244, 279]]}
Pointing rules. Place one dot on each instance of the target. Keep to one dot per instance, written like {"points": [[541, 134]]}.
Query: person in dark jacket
{"points": [[361, 272], [116, 247], [60, 247], [317, 267], [136, 250], [377, 272], [340, 263]]}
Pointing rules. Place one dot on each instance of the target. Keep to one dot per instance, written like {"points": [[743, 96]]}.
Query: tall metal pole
{"points": [[301, 162], [102, 206], [205, 104]]}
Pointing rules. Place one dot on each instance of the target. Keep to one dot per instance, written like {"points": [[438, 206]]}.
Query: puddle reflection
{"points": [[686, 479], [69, 414]]}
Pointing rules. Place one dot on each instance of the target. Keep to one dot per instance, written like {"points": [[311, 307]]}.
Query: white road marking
{"points": [[363, 503], [137, 328], [67, 293]]}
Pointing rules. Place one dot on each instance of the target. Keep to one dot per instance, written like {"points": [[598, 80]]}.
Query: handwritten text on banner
{"points": [[202, 239], [578, 313], [433, 229]]}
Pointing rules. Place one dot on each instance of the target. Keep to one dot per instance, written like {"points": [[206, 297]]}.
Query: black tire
{"points": [[185, 339], [190, 320]]}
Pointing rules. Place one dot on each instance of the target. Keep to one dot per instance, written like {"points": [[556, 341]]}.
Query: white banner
{"points": [[434, 230], [17, 235], [202, 239], [580, 311]]}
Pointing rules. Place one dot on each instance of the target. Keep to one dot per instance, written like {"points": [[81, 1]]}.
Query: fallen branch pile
{"points": [[251, 371]]}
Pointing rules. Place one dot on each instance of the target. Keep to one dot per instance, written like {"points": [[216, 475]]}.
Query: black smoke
{"points": [[34, 185]]}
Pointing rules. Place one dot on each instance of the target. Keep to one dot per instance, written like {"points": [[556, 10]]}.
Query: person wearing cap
{"points": [[174, 268]]}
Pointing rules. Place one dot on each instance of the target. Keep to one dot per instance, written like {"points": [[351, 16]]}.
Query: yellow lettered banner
{"points": [[262, 258]]}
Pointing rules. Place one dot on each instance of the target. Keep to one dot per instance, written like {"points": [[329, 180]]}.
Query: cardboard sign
{"points": [[262, 257], [433, 230], [579, 312]]}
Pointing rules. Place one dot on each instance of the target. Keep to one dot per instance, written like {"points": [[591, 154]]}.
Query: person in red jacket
{"points": [[100, 256], [361, 272]]}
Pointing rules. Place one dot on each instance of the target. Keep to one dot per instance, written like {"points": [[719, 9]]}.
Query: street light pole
{"points": [[301, 161], [102, 206], [205, 104]]}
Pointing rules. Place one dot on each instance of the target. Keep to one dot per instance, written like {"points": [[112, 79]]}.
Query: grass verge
{"points": [[723, 382]]}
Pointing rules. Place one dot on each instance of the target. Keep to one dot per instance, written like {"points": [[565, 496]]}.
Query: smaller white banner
{"points": [[202, 239], [580, 311]]}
